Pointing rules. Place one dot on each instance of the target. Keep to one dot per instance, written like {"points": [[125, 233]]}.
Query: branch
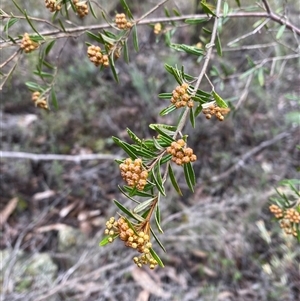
{"points": [[279, 19], [80, 29], [53, 157], [204, 68], [248, 155]]}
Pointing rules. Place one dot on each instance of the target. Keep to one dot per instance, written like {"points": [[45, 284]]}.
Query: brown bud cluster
{"points": [[97, 57], [290, 219], [27, 44], [133, 238], [180, 153], [277, 211], [53, 5], [81, 8], [122, 22], [180, 97], [292, 215], [215, 110], [157, 28], [133, 173], [39, 102]]}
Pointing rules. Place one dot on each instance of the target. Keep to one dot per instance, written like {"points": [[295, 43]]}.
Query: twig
{"points": [[257, 29], [279, 20], [151, 11], [248, 155], [55, 157], [209, 46], [79, 29]]}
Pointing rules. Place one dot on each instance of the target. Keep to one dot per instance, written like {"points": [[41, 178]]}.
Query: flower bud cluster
{"points": [[81, 8], [180, 153], [215, 110], [39, 102], [136, 239], [97, 57], [133, 173], [180, 97], [277, 211], [290, 219], [157, 28], [27, 44], [122, 22], [52, 5]]}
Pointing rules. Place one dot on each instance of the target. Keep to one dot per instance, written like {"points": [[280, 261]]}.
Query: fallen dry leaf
{"points": [[225, 295], [8, 210], [143, 296], [43, 195], [147, 283]]}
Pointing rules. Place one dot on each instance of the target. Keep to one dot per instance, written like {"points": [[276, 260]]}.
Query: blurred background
{"points": [[222, 243]]}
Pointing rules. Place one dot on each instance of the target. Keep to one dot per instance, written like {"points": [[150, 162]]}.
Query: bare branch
{"points": [[249, 154], [55, 157], [80, 29]]}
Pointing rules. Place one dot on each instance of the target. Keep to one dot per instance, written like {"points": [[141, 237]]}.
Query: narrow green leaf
{"points": [[238, 3], [218, 45], [104, 241], [225, 9], [94, 37], [157, 240], [248, 72], [133, 136], [135, 38], [188, 49], [10, 23], [92, 10], [195, 21], [198, 110], [54, 99], [163, 132], [192, 118], [167, 13], [166, 158], [165, 95], [157, 179], [48, 65], [49, 47], [125, 52], [33, 86], [126, 8], [126, 147], [125, 210], [157, 219], [12, 39], [167, 110], [188, 178], [191, 173], [129, 189], [113, 69], [260, 76], [206, 30], [31, 24], [207, 8], [219, 100], [142, 206], [43, 74], [173, 180], [156, 257], [202, 93], [18, 7], [280, 32]]}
